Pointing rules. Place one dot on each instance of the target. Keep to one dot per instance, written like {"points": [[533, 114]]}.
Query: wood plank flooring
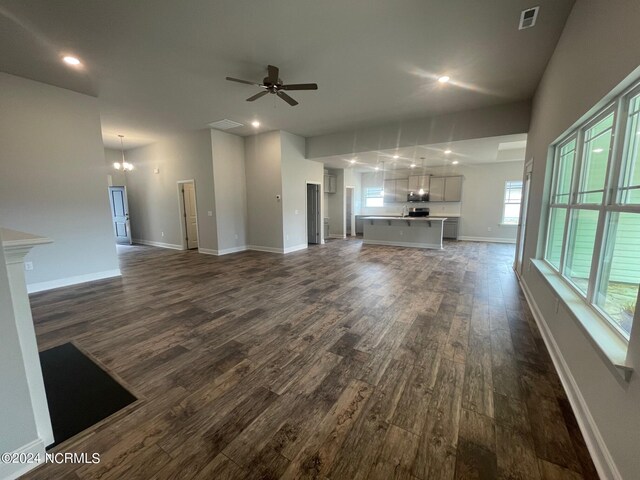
{"points": [[343, 361]]}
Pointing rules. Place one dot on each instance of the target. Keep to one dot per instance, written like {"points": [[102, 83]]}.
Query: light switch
{"points": [[210, 213], [28, 266]]}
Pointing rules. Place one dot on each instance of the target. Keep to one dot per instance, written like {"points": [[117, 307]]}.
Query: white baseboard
{"points": [[402, 244], [260, 248], [296, 248], [65, 282], [488, 239], [11, 471], [224, 251], [600, 454], [158, 244], [336, 235]]}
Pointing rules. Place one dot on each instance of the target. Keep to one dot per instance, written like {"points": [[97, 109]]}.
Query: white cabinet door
{"points": [[436, 189], [414, 183], [389, 191], [453, 189], [402, 189]]}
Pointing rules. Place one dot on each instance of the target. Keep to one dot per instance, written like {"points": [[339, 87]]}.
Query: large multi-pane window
{"points": [[593, 230]]}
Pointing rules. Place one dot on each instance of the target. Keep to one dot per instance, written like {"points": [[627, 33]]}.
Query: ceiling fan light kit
{"points": [[273, 84]]}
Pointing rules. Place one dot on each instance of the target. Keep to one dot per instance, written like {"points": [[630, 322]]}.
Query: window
{"points": [[512, 199], [593, 225], [373, 197]]}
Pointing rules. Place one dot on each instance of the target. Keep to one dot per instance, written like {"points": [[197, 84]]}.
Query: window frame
{"points": [[505, 202], [367, 197], [612, 197]]}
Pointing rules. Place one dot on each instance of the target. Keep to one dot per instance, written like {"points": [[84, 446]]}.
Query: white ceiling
{"points": [[158, 66], [506, 148]]}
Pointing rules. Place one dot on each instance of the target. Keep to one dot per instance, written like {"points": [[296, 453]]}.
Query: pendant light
{"points": [[124, 166]]}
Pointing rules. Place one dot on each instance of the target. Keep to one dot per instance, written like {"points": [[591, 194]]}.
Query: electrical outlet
{"points": [[28, 266], [488, 229], [162, 234], [210, 213], [297, 212], [236, 235]]}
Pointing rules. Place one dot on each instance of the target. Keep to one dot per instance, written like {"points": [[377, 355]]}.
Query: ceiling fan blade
{"points": [[287, 99], [257, 96], [300, 86], [231, 79], [274, 74]]}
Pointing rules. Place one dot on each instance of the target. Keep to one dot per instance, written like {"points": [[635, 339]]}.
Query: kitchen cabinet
{"points": [[445, 189], [402, 189], [395, 191], [330, 184], [417, 182], [450, 228]]}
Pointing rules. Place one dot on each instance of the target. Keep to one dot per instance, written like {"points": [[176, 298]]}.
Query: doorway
{"points": [[522, 224], [314, 226], [120, 214], [349, 213], [188, 213]]}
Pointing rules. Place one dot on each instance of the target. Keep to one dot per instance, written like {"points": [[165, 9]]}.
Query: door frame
{"points": [[518, 261], [181, 214], [306, 209], [126, 206], [351, 233]]}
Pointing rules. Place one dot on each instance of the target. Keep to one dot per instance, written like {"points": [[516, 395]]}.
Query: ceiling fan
{"points": [[273, 84]]}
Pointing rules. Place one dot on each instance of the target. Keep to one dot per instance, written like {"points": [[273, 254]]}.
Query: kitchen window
{"points": [[594, 211], [374, 197], [512, 200]]}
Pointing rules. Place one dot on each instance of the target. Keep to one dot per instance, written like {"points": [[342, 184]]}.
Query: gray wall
{"points": [[230, 190], [336, 207], [16, 414], [263, 169], [599, 47], [296, 172], [153, 198], [53, 179], [486, 122]]}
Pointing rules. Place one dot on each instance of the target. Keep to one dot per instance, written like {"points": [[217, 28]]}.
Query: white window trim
{"points": [[366, 197], [611, 335], [505, 202]]}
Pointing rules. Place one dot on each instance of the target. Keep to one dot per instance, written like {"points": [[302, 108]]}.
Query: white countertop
{"points": [[411, 219], [14, 238]]}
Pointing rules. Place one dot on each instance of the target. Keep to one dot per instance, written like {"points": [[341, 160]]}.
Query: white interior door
{"points": [[120, 214], [190, 217]]}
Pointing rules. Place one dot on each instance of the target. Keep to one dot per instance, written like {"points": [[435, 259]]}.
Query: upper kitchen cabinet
{"points": [[395, 191], [330, 184], [445, 189], [418, 182]]}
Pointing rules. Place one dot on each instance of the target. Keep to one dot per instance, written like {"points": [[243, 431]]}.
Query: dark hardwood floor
{"points": [[343, 361]]}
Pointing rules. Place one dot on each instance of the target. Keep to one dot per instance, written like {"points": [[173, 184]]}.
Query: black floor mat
{"points": [[79, 392]]}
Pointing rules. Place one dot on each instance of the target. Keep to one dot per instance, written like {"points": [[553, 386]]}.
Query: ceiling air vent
{"points": [[225, 124], [528, 18]]}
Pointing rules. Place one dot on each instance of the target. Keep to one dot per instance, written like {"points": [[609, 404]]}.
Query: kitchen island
{"points": [[417, 232]]}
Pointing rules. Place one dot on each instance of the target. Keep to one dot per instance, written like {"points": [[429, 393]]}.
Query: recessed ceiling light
{"points": [[413, 165], [444, 79], [69, 60], [352, 161], [255, 123], [598, 150], [396, 156], [455, 162], [447, 152], [377, 168]]}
